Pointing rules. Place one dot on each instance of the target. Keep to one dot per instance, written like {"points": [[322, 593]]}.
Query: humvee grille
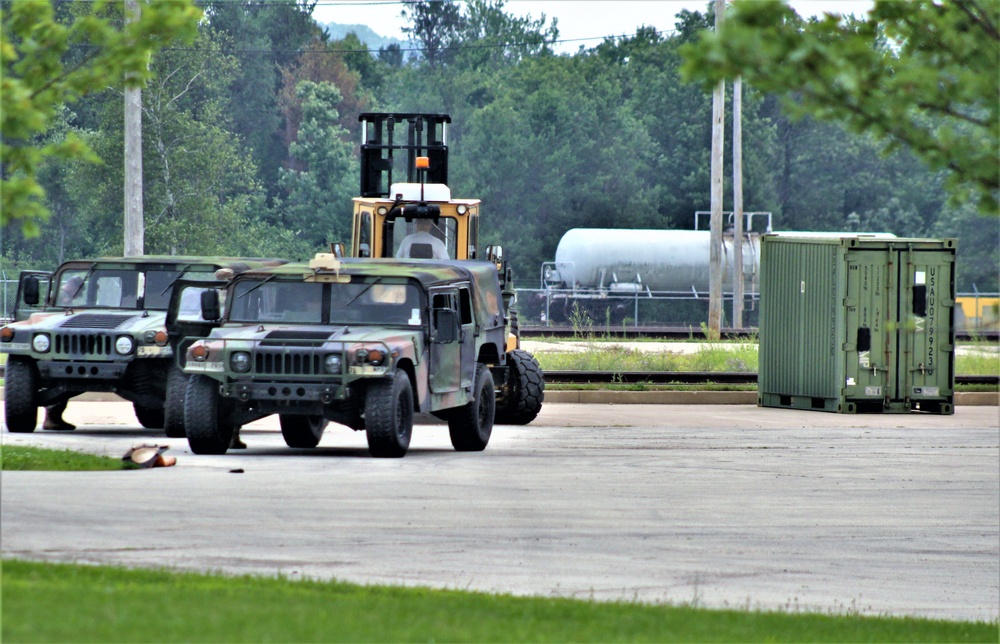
{"points": [[82, 344], [280, 363], [94, 321]]}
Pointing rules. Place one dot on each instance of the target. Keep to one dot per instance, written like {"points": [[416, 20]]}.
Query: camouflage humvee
{"points": [[98, 325], [362, 342]]}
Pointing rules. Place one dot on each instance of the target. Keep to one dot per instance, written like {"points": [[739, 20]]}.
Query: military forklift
{"points": [[406, 210]]}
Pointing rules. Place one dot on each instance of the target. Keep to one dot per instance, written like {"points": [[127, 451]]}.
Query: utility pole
{"points": [[715, 237], [134, 228], [738, 203]]}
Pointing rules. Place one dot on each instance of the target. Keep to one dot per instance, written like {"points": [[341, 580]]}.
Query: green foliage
{"points": [[17, 457], [99, 603], [37, 81], [918, 74], [608, 137], [319, 195]]}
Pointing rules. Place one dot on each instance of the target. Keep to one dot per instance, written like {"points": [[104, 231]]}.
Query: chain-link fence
{"points": [[8, 296], [607, 310], [612, 311]]}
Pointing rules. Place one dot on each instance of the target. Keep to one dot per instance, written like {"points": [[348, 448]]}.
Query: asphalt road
{"points": [[710, 505]]}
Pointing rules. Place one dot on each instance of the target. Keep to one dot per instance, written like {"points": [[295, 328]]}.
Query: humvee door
{"points": [[452, 350], [184, 315]]}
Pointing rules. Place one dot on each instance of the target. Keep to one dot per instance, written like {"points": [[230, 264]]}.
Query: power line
{"points": [[230, 50]]}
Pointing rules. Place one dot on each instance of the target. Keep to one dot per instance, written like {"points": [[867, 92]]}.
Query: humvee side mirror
{"points": [[445, 326], [31, 290], [210, 305], [338, 249]]}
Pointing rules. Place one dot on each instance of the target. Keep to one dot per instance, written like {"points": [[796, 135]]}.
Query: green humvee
{"points": [[98, 325], [361, 342]]}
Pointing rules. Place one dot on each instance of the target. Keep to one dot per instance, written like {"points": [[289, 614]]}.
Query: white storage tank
{"points": [[625, 260]]}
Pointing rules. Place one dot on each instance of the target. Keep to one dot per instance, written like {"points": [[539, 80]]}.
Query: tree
{"points": [[37, 82], [436, 26], [267, 37], [490, 36], [318, 204], [324, 62], [921, 74]]}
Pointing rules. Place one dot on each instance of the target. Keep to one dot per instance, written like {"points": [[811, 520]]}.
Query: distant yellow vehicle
{"points": [[978, 313]]}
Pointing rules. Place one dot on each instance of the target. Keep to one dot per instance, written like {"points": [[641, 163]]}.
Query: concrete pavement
{"points": [[714, 505]]}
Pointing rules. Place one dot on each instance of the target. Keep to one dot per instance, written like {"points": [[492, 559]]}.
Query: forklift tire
{"points": [[526, 390]]}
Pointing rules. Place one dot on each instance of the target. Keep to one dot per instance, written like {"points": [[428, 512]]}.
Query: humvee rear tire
{"points": [[205, 433], [20, 393], [527, 390], [389, 416], [302, 431], [149, 417], [173, 405], [471, 426]]}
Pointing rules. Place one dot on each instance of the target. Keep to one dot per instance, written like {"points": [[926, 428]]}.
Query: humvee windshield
{"points": [[364, 301], [117, 288]]}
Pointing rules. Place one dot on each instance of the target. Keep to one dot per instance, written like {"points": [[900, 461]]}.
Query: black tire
{"points": [[389, 416], [149, 417], [471, 426], [302, 431], [205, 433], [526, 390], [173, 405], [20, 391]]}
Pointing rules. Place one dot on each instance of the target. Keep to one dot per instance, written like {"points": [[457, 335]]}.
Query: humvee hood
{"points": [[122, 321]]}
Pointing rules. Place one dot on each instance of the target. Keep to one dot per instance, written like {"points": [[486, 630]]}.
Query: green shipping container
{"points": [[857, 324]]}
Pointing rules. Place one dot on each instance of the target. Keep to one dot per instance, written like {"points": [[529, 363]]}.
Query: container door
{"points": [[871, 336], [927, 328]]}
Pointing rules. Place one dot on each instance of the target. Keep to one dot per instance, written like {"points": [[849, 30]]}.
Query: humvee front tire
{"points": [[471, 426], [205, 434], [302, 431], [389, 416], [20, 393], [527, 390], [173, 405], [149, 417]]}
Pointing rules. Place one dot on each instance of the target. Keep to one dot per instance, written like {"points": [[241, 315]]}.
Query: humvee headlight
{"points": [[148, 336], [160, 338], [199, 352], [6, 334], [332, 363], [240, 362], [373, 355], [124, 344], [41, 343]]}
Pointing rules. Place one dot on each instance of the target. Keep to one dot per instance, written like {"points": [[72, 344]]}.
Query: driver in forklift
{"points": [[422, 244]]}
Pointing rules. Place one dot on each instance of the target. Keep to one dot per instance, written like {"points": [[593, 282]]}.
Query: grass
{"points": [[100, 603], [17, 457], [615, 357], [739, 356]]}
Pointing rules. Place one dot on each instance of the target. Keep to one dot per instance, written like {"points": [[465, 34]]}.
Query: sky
{"points": [[577, 19]]}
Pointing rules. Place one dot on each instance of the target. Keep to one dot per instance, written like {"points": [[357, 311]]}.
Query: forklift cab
{"points": [[404, 192]]}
